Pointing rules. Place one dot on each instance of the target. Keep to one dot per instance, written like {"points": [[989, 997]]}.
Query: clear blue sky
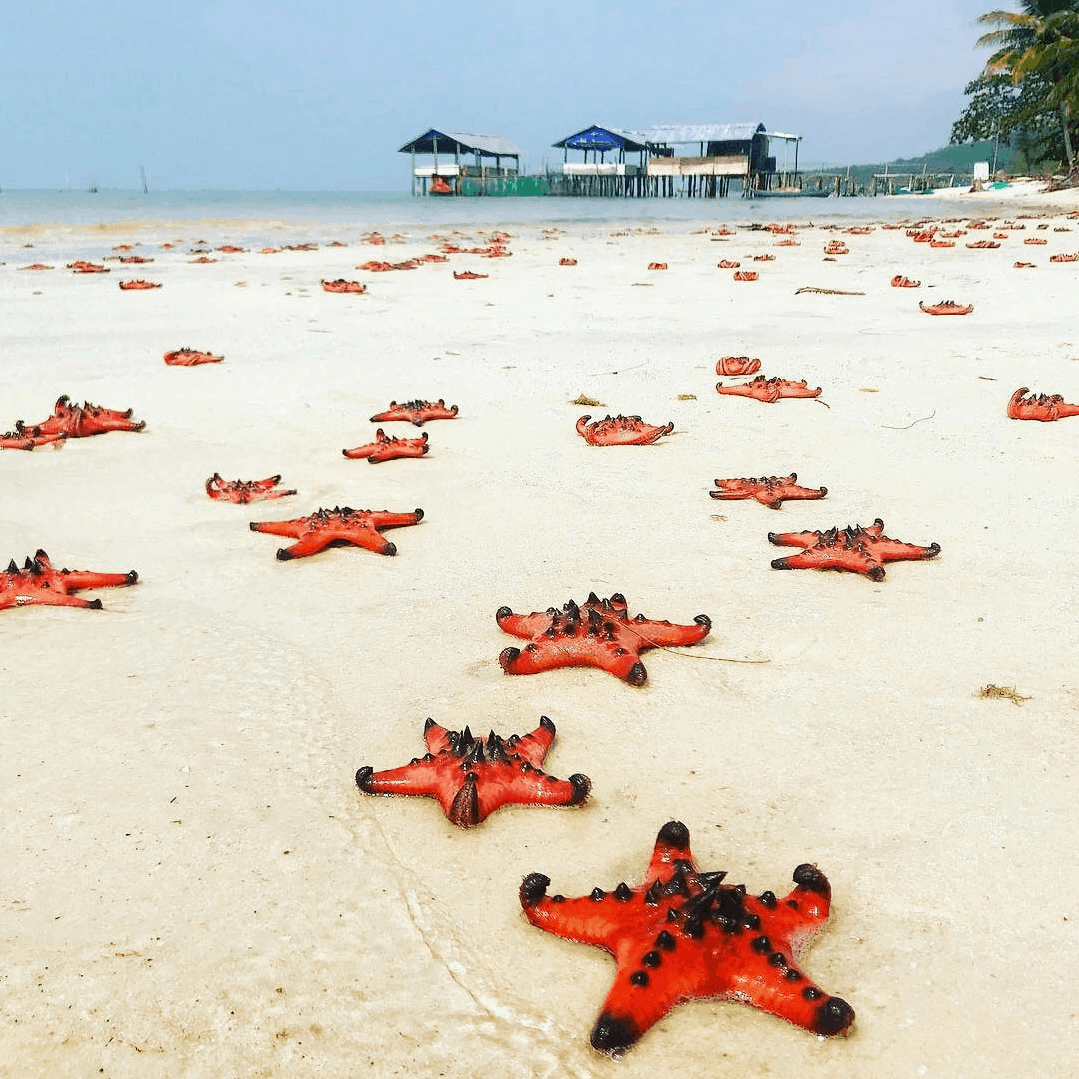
{"points": [[267, 93]]}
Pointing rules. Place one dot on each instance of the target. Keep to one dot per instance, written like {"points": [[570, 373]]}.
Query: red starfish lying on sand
{"points": [[733, 366], [189, 357], [244, 491], [769, 390], [70, 421], [1043, 407], [468, 275], [899, 281], [337, 528], [138, 284], [387, 448], [38, 582], [621, 431], [416, 412], [472, 777], [770, 491], [854, 549], [341, 285], [80, 266], [599, 633], [946, 307], [684, 935]]}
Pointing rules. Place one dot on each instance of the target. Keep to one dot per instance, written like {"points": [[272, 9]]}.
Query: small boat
{"points": [[787, 193], [439, 186]]}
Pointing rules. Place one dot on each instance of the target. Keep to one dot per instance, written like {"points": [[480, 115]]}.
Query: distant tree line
{"points": [[1027, 97]]}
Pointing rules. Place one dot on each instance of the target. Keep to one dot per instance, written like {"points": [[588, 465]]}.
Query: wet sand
{"points": [[193, 884]]}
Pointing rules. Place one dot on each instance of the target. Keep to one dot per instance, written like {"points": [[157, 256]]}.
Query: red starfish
{"points": [[387, 448], [854, 549], [341, 285], [416, 412], [599, 633], [946, 307], [137, 283], [73, 421], [683, 935], [337, 527], [1043, 407], [770, 491], [769, 390], [190, 357], [39, 582], [737, 365], [472, 777], [621, 431], [244, 491]]}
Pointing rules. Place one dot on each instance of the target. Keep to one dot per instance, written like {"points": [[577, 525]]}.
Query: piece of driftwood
{"points": [[826, 291]]}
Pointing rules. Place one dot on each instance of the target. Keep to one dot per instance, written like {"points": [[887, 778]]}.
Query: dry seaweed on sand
{"points": [[584, 399], [1002, 693]]}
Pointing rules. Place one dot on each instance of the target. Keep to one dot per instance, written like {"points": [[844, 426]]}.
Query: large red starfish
{"points": [[244, 491], [39, 582], [770, 491], [621, 431], [854, 548], [417, 412], [769, 390], [337, 527], [1040, 406], [76, 421], [682, 934], [472, 777], [598, 633], [387, 448]]}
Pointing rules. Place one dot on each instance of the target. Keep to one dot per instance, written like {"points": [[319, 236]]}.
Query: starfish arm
{"points": [[369, 449], [315, 542], [671, 851], [891, 550], [281, 528], [384, 519], [535, 746], [790, 490], [851, 559], [601, 919], [425, 776], [45, 597], [521, 625], [15, 441], [266, 484], [75, 579], [266, 496], [581, 651], [655, 634], [795, 539], [519, 783], [1065, 408], [435, 737]]}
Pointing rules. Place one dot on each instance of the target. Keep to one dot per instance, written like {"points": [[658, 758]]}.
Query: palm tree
{"points": [[1043, 40]]}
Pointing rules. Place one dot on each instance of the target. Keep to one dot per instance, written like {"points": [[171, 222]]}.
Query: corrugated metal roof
{"points": [[674, 134], [461, 142], [596, 137]]}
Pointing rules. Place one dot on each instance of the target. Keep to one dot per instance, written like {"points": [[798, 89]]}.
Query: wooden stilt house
{"points": [[463, 164], [600, 176]]}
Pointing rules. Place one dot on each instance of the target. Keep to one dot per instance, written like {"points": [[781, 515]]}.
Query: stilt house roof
{"points": [[460, 142]]}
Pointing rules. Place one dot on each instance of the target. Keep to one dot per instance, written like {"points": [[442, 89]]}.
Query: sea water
{"points": [[393, 210]]}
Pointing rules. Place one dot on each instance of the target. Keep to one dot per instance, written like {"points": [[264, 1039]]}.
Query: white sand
{"points": [[192, 885]]}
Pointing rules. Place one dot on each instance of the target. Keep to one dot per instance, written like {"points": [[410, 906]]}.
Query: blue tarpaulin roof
{"points": [[603, 139]]}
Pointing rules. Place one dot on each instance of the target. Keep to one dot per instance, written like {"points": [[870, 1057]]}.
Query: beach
{"points": [[193, 883]]}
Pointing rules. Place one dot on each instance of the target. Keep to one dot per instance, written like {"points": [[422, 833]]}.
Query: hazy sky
{"points": [[268, 93]]}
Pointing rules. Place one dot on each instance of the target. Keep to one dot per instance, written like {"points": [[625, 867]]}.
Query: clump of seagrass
{"points": [[584, 399], [1002, 693]]}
